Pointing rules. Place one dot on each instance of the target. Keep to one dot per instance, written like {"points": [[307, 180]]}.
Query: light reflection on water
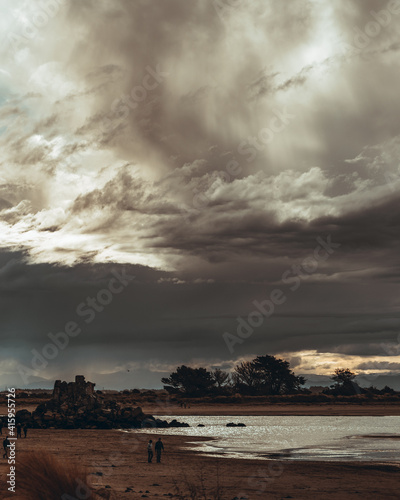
{"points": [[294, 437]]}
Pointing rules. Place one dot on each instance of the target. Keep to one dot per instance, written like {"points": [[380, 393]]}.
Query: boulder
{"points": [[175, 423]]}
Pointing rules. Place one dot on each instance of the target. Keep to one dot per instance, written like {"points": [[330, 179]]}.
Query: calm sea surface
{"points": [[294, 438]]}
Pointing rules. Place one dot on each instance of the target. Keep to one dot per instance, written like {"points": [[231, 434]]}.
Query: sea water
{"points": [[294, 437]]}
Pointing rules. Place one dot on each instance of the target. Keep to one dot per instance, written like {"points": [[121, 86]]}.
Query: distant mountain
{"points": [[314, 379], [42, 384], [8, 380], [145, 379], [378, 381]]}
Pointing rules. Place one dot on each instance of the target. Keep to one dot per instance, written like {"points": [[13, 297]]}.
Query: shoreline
{"points": [[341, 444], [275, 409], [118, 460], [167, 407]]}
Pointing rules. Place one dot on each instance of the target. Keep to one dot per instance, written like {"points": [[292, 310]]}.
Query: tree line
{"points": [[264, 375]]}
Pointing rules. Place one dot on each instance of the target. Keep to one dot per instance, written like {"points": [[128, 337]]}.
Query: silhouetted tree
{"points": [[220, 377], [267, 375], [343, 376], [388, 390], [245, 378], [344, 383], [190, 381]]}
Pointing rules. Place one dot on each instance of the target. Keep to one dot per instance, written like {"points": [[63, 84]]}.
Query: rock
{"points": [[137, 412], [23, 416], [103, 493], [80, 391], [148, 422], [76, 405], [175, 423]]}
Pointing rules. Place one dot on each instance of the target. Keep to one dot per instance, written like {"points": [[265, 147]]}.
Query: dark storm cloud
{"points": [[378, 365], [214, 147], [182, 116], [163, 318]]}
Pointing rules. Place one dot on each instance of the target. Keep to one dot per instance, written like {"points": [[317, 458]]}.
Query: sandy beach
{"points": [[117, 461]]}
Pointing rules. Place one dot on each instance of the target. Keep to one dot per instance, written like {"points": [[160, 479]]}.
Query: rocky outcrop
{"points": [[75, 405], [79, 393]]}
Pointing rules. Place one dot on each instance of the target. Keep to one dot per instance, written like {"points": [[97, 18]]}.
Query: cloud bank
{"points": [[205, 146]]}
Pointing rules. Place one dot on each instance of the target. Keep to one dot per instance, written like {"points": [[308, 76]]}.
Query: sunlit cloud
{"points": [[215, 147]]}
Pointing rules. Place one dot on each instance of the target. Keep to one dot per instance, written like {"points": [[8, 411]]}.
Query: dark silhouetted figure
{"points": [[159, 447], [25, 430], [150, 451], [1, 427], [6, 444], [19, 428]]}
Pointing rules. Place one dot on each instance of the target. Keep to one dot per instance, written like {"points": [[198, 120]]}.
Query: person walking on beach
{"points": [[6, 444], [159, 447], [25, 430], [19, 428], [150, 451]]}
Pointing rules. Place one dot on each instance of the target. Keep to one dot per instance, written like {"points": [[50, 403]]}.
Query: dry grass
{"points": [[42, 477], [199, 488]]}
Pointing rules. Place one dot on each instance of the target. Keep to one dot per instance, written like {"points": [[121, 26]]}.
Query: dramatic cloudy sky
{"points": [[202, 147]]}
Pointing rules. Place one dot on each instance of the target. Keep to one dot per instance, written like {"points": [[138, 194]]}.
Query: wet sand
{"points": [[118, 460]]}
